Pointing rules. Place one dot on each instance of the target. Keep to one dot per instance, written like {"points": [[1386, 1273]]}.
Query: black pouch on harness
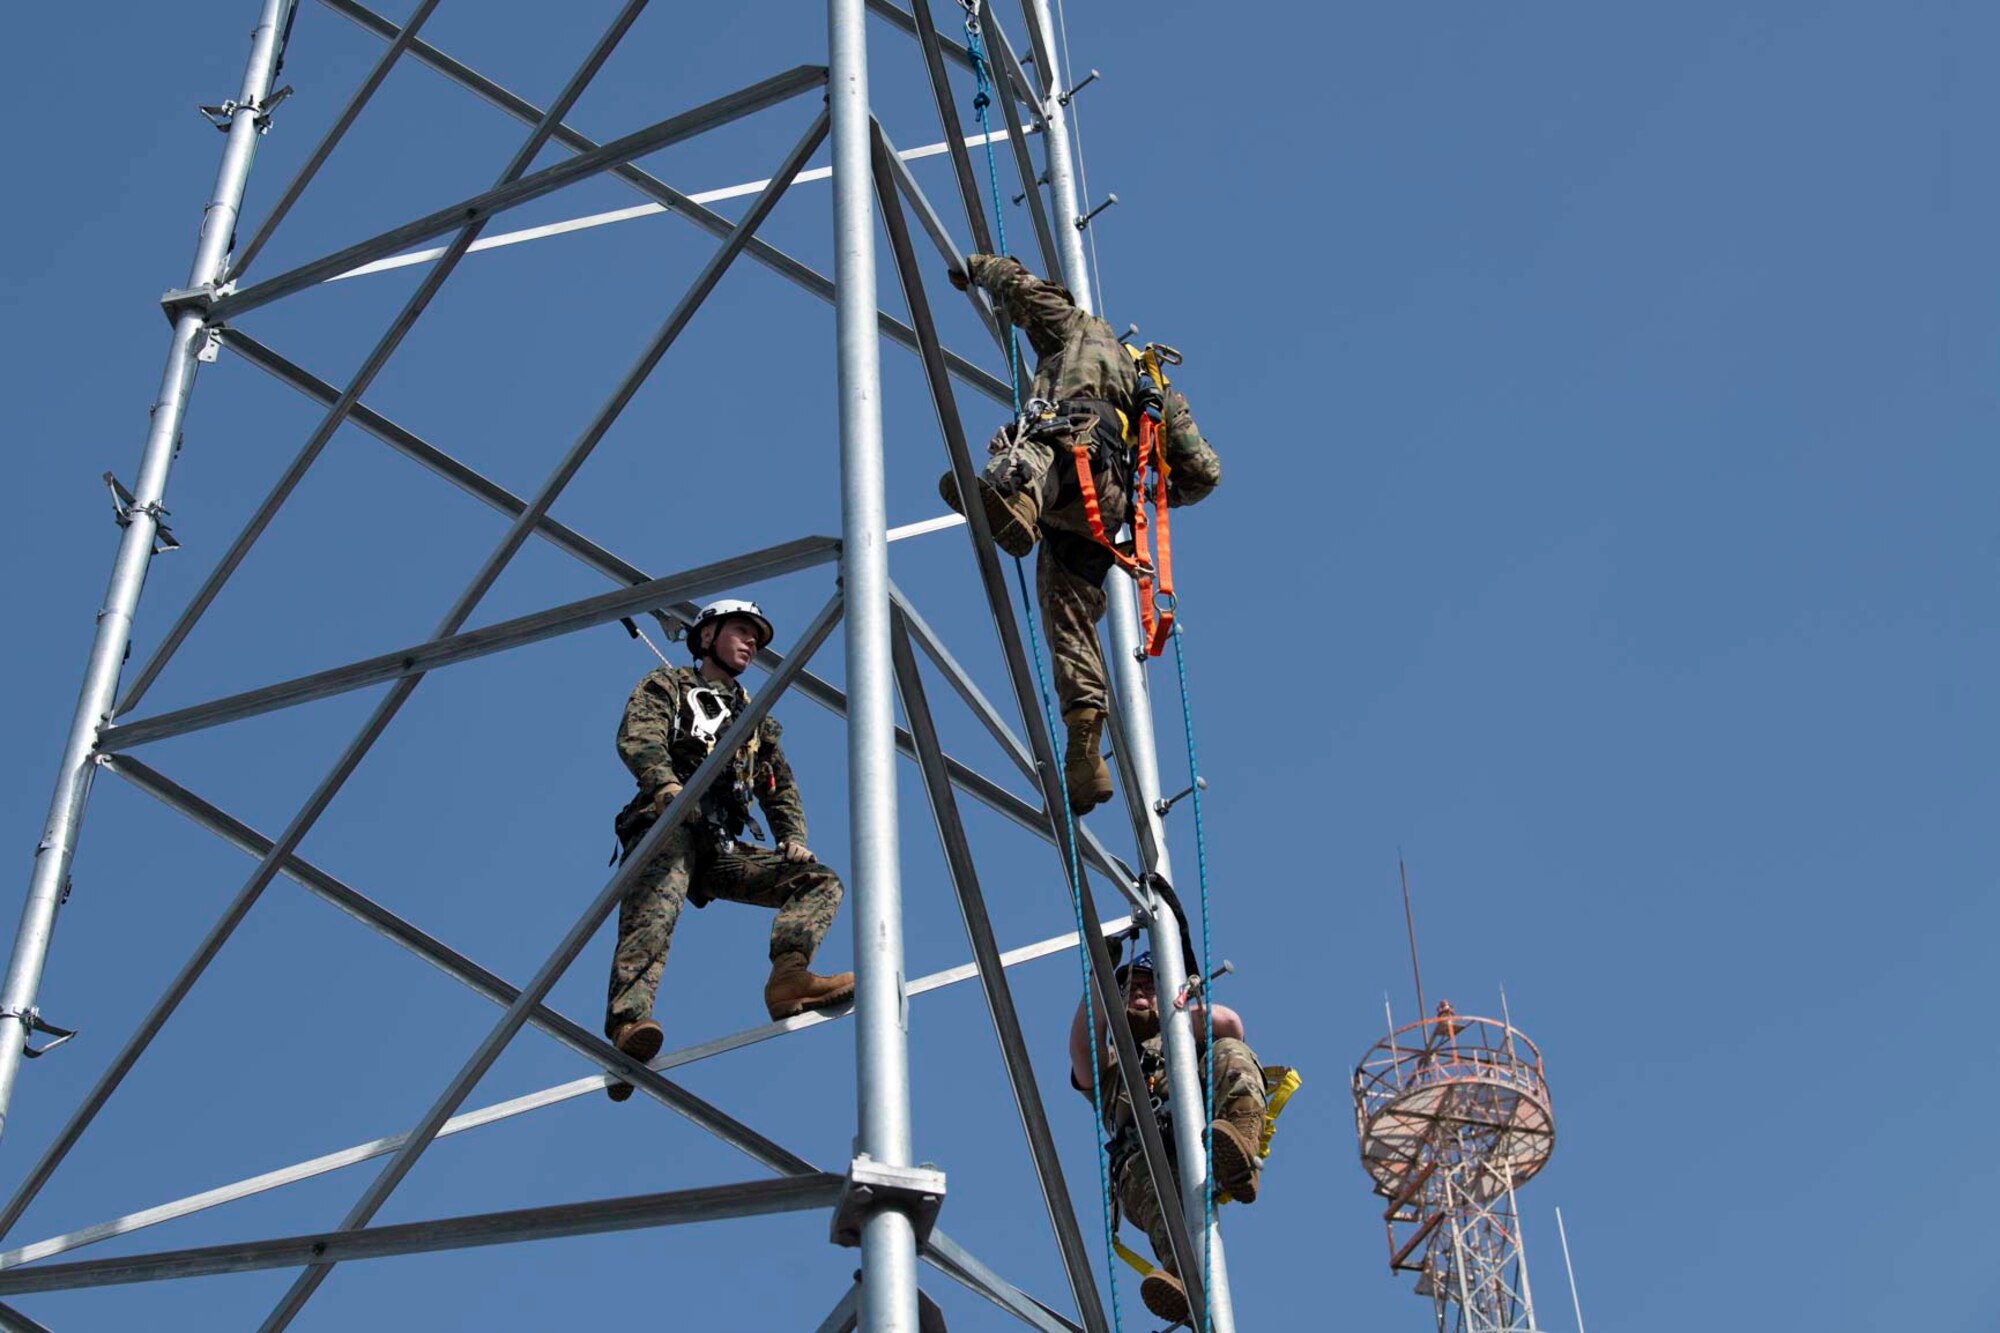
{"points": [[1111, 456], [631, 825], [638, 816]]}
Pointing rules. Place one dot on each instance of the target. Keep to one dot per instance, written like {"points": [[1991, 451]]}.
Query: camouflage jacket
{"points": [[657, 742], [1078, 356]]}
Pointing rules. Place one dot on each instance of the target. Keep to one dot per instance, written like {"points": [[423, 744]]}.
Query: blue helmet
{"points": [[1140, 963]]}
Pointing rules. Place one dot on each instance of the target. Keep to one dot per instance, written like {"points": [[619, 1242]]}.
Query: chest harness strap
{"points": [[1149, 472]]}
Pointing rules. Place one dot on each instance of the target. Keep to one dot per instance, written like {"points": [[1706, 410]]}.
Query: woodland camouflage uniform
{"points": [[1239, 1091], [705, 858], [1080, 365]]}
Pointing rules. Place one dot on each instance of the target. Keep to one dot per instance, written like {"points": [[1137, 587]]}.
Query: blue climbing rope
{"points": [[982, 102], [1208, 995], [981, 105]]}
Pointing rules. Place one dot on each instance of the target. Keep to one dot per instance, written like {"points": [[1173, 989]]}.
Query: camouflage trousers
{"points": [[1239, 1086], [695, 863], [1072, 566]]}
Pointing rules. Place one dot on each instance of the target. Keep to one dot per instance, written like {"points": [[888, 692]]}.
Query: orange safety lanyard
{"points": [[1156, 606]]}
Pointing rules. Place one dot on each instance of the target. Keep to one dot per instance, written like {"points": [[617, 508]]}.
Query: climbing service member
{"points": [[1067, 473], [671, 724], [1236, 1136]]}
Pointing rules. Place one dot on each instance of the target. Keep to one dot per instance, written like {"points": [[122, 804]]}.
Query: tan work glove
{"points": [[795, 852], [664, 797]]}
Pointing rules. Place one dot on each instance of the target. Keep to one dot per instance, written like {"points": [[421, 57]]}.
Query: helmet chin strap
{"points": [[707, 655], [704, 651]]}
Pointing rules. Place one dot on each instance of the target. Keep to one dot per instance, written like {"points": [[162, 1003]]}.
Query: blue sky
{"points": [[1605, 401]]}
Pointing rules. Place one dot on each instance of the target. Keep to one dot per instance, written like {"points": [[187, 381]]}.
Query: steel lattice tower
{"points": [[1453, 1114], [882, 1202]]}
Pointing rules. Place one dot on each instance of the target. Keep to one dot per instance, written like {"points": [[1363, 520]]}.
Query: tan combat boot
{"points": [[1165, 1296], [792, 989], [1084, 771], [1233, 1142], [642, 1041], [1012, 518]]}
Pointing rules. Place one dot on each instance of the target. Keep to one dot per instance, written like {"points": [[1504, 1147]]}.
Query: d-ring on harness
{"points": [[1149, 468]]}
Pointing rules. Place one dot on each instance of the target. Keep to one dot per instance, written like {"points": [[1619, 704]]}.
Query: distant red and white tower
{"points": [[1454, 1116]]}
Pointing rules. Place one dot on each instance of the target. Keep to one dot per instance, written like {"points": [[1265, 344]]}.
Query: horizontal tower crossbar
{"points": [[496, 1112], [675, 1208], [498, 200], [804, 553]]}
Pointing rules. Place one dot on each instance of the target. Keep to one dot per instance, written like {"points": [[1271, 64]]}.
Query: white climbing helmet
{"points": [[717, 612]]}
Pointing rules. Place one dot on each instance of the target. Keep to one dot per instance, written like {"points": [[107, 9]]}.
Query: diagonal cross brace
{"points": [[926, 34], [371, 366], [481, 207], [827, 696], [456, 965], [14, 1321], [1090, 846], [934, 227], [428, 456], [1023, 163], [903, 20], [676, 814], [658, 190], [248, 253], [1014, 1054], [980, 788], [494, 1113], [803, 553]]}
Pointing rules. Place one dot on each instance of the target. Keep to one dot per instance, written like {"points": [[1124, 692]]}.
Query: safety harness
{"points": [[1280, 1082], [701, 713], [1149, 471]]}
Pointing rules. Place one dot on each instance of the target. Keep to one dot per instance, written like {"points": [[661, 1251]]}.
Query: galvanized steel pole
{"points": [[1132, 698], [888, 1239], [57, 847]]}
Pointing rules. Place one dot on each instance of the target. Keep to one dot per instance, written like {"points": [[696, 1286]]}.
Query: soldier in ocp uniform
{"points": [[1235, 1136], [1088, 389], [671, 725]]}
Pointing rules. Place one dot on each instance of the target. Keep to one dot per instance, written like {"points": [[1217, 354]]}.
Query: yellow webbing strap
{"points": [[1280, 1082], [1125, 1253]]}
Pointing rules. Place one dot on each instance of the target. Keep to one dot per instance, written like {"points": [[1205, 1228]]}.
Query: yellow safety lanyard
{"points": [[1280, 1082]]}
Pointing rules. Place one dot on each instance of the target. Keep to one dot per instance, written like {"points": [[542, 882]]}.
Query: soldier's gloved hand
{"points": [[958, 278], [795, 852], [664, 796]]}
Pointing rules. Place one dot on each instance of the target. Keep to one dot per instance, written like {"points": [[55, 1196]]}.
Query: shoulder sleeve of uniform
{"points": [[1042, 310], [648, 727], [777, 791], [1193, 468]]}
